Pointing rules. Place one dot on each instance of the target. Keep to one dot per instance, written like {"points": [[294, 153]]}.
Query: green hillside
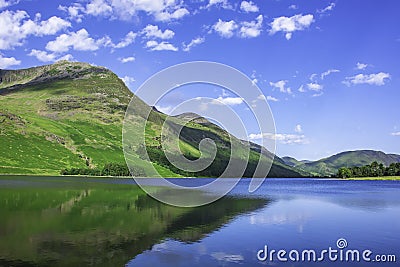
{"points": [[330, 165], [69, 115]]}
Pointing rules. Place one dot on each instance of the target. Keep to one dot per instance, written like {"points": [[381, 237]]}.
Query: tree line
{"points": [[109, 169], [374, 169]]}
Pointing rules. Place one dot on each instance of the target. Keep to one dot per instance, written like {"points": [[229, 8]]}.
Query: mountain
{"points": [[329, 166], [70, 114]]}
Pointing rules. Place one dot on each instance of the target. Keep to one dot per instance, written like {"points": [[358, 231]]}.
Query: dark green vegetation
{"points": [[374, 169], [68, 116], [329, 166], [109, 169], [69, 222]]}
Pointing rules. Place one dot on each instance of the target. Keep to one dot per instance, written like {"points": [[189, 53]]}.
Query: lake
{"points": [[64, 221]]}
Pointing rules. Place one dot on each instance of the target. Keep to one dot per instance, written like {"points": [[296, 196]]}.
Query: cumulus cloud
{"points": [[221, 3], [225, 28], [75, 11], [244, 29], [372, 79], [287, 139], [248, 6], [4, 3], [6, 62], [126, 59], [289, 25], [45, 56], [293, 7], [251, 29], [298, 128], [152, 31], [361, 66], [193, 43], [80, 41], [16, 27], [281, 85], [42, 55], [156, 46], [128, 39], [177, 14], [315, 86], [98, 8], [161, 10], [396, 134]]}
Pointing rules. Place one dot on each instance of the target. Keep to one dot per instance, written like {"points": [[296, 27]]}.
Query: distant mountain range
{"points": [[329, 166], [70, 114]]}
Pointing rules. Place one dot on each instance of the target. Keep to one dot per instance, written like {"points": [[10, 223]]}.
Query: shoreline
{"points": [[383, 178]]}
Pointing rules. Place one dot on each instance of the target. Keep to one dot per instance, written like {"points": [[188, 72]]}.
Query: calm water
{"points": [[104, 222]]}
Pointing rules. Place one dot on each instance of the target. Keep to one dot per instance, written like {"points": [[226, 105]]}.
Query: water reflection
{"points": [[100, 224]]}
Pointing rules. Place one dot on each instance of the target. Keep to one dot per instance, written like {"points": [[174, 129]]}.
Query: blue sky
{"points": [[330, 70]]}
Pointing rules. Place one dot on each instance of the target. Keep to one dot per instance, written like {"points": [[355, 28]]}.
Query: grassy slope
{"points": [[70, 115]]}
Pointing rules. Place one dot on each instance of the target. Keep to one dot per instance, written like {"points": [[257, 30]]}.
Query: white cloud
{"points": [[372, 79], [328, 8], [16, 27], [260, 97], [293, 7], [42, 55], [6, 62], [45, 56], [318, 94], [152, 31], [161, 10], [128, 39], [230, 101], [289, 25], [315, 86], [273, 99], [287, 139], [244, 29], [301, 89], [4, 3], [128, 80], [298, 128], [98, 8], [328, 72], [222, 3], [396, 134], [249, 6], [281, 85], [193, 43], [80, 41], [251, 29], [225, 28], [75, 11], [361, 66], [177, 14], [156, 46], [127, 59]]}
